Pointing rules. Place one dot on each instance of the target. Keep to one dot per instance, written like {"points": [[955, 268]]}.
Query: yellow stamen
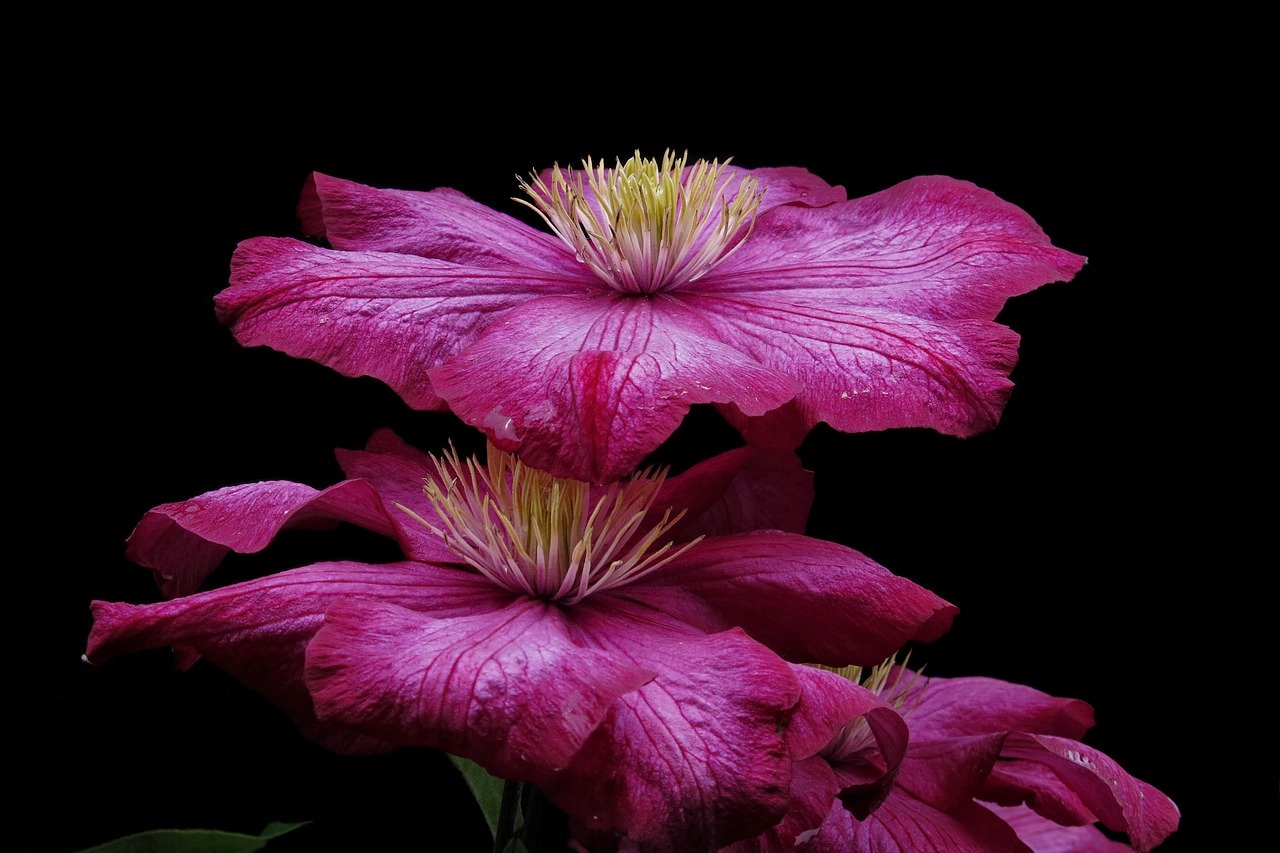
{"points": [[546, 536], [647, 226]]}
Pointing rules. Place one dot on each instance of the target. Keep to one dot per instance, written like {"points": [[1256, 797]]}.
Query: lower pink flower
{"points": [[990, 766], [583, 638]]}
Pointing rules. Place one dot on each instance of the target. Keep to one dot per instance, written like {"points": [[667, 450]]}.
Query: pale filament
{"points": [[646, 225], [546, 536]]}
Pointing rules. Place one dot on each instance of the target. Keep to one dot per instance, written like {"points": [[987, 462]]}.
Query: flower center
{"points": [[646, 226], [547, 536], [888, 677]]}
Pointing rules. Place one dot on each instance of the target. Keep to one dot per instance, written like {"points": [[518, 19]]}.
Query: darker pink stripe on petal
{"points": [[586, 387]]}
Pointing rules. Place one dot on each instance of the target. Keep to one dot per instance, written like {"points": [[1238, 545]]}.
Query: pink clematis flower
{"points": [[592, 640], [990, 766], [664, 284]]}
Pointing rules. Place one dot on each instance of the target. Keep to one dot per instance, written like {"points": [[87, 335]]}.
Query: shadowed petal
{"points": [[442, 224], [184, 542], [398, 473], [258, 630], [508, 689], [1044, 836], [906, 825], [806, 599], [950, 707], [696, 758], [1120, 801], [813, 788], [737, 491], [948, 773], [375, 314], [586, 387]]}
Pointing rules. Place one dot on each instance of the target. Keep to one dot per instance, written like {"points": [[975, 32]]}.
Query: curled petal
{"points": [[1120, 801], [508, 689], [258, 630], [840, 607], [184, 542]]}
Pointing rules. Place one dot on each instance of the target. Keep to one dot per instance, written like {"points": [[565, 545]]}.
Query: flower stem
{"points": [[507, 815]]}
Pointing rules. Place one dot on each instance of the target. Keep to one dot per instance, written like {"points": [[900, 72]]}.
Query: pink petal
{"points": [[791, 185], [1014, 782], [865, 369], [508, 688], [695, 759], [948, 773], [368, 313], [829, 702], [906, 825], [1120, 801], [899, 288], [951, 707], [813, 789], [398, 472], [184, 542], [586, 387], [839, 607], [258, 630], [1044, 836], [738, 491], [442, 224], [932, 247]]}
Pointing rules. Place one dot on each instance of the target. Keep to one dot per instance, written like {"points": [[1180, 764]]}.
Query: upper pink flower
{"points": [[663, 285], [990, 766], [539, 627]]}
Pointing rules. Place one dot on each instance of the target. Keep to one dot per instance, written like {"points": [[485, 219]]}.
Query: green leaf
{"points": [[485, 788], [194, 841]]}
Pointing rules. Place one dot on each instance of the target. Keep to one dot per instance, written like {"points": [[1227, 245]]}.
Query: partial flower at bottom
{"points": [[619, 646], [989, 766]]}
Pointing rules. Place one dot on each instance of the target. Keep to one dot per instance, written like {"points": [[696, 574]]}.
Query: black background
{"points": [[1061, 535]]}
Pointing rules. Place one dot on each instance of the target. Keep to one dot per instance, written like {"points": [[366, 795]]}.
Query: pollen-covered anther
{"points": [[547, 536], [645, 225]]}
